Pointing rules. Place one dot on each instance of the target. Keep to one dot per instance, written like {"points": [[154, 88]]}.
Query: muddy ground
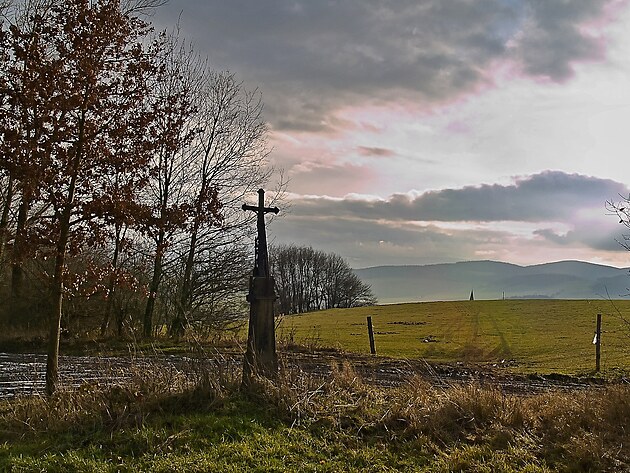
{"points": [[24, 374]]}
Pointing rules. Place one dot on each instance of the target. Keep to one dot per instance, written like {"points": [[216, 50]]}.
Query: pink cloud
{"points": [[375, 152], [458, 127], [334, 180]]}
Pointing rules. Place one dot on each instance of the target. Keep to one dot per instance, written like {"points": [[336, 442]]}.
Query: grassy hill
{"points": [[526, 335], [493, 280]]}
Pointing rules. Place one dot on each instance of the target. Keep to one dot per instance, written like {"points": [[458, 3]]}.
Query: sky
{"points": [[436, 131]]}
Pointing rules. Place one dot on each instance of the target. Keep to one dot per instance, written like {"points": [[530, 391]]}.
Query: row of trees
{"points": [[308, 279], [124, 161]]}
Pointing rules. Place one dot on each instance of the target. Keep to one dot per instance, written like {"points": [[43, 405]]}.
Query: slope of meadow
{"points": [[526, 335]]}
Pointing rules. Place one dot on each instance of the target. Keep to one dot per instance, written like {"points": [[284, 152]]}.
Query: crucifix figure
{"points": [[261, 266], [260, 357]]}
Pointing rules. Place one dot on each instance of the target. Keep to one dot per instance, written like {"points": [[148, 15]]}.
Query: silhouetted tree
{"points": [[308, 279], [230, 162], [621, 209], [197, 193]]}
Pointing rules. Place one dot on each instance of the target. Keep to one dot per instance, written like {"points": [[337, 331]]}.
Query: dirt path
{"points": [[24, 373], [394, 372]]}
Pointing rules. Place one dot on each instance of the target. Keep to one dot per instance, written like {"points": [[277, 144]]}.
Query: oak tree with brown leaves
{"points": [[79, 91]]}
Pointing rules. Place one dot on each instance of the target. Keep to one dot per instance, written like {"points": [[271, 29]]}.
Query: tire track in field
{"points": [[503, 348], [380, 371], [471, 351]]}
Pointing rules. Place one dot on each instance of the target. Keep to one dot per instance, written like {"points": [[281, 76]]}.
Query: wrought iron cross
{"points": [[261, 267]]}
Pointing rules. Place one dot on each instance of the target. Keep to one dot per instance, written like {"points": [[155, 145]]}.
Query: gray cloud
{"points": [[311, 57], [600, 237], [408, 231], [548, 196], [551, 38], [371, 242], [549, 234]]}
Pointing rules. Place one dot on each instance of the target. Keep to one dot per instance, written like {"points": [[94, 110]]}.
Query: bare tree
{"points": [[308, 279], [231, 156], [621, 209], [137, 7], [197, 191], [168, 193]]}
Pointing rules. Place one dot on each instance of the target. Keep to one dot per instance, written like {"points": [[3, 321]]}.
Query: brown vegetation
{"points": [[570, 431]]}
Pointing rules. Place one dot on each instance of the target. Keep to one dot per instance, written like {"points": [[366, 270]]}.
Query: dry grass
{"points": [[574, 431], [150, 388], [460, 425]]}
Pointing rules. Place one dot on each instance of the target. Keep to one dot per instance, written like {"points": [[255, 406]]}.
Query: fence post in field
{"points": [[598, 342], [371, 335]]}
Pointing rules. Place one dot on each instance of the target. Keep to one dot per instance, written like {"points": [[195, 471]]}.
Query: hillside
{"points": [[491, 280]]}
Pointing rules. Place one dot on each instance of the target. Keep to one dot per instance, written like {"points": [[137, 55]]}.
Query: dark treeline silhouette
{"points": [[308, 279]]}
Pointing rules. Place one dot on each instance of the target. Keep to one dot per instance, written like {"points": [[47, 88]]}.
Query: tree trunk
{"points": [[4, 220], [52, 362], [17, 272], [120, 321], [178, 327], [154, 286], [111, 287], [5, 315]]}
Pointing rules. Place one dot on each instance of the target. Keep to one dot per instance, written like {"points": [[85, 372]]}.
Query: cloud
{"points": [[312, 58], [606, 238], [318, 177], [375, 152], [547, 196], [380, 242], [546, 216], [551, 38], [373, 242]]}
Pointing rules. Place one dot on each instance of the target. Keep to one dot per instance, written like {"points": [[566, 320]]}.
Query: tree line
{"points": [[308, 280], [125, 159]]}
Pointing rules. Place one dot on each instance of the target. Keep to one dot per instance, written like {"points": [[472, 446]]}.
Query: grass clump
{"points": [[204, 421]]}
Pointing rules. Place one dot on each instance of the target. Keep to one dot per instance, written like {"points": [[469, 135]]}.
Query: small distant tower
{"points": [[472, 296]]}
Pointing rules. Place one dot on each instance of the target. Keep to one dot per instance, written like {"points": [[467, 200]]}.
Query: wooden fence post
{"points": [[371, 335], [598, 342]]}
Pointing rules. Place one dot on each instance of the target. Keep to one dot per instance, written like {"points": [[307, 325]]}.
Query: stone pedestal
{"points": [[260, 357]]}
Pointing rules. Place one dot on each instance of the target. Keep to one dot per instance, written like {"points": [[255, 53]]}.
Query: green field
{"points": [[525, 335]]}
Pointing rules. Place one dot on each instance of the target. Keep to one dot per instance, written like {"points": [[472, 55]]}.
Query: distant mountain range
{"points": [[494, 280]]}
